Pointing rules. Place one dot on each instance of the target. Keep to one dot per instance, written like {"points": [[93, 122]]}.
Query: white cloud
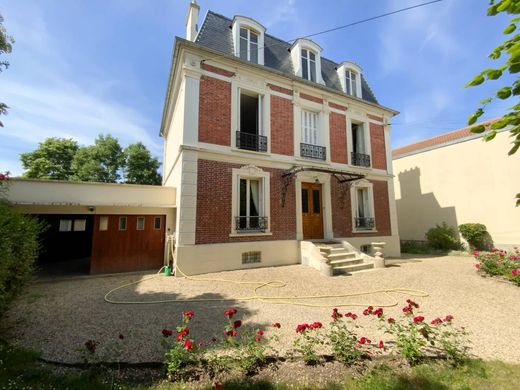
{"points": [[284, 13]]}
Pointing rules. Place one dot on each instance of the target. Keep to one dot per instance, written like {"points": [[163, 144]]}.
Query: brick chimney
{"points": [[192, 20]]}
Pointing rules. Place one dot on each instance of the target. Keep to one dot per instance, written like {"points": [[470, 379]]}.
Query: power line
{"points": [[336, 28]]}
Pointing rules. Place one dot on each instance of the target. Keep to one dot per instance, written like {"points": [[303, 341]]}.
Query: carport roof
{"points": [[66, 193]]}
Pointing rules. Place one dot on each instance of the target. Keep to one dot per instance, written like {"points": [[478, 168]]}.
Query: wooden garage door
{"points": [[123, 243]]}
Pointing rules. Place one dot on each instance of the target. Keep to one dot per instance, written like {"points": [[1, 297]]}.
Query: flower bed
{"points": [[500, 263], [244, 349]]}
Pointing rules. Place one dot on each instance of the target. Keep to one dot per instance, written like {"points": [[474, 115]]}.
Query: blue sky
{"points": [[80, 68]]}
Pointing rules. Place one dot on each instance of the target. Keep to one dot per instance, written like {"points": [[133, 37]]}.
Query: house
{"points": [[266, 145], [457, 178], [270, 143]]}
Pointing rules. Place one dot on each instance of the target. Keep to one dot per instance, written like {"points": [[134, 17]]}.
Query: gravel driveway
{"points": [[57, 317]]}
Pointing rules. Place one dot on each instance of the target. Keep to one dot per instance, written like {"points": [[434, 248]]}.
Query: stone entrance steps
{"points": [[341, 259]]}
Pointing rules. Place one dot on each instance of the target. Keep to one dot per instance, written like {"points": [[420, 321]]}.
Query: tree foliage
{"points": [[6, 46], [140, 166], [101, 162], [51, 160], [105, 161], [509, 52]]}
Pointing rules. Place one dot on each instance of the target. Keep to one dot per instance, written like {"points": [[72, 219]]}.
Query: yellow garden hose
{"points": [[277, 300]]}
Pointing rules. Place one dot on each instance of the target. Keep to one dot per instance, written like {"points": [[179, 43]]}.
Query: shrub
{"points": [[476, 235], [343, 340], [500, 263], [443, 237], [19, 247], [308, 339]]}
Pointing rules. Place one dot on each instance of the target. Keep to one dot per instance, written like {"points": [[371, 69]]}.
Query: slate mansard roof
{"points": [[216, 34]]}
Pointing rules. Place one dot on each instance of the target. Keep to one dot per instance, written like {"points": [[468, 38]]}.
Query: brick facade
{"points": [[377, 143], [282, 128], [342, 211], [214, 69], [215, 111], [280, 89], [311, 98], [338, 138], [214, 214], [337, 106]]}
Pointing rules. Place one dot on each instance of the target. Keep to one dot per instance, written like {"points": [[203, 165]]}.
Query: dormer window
{"points": [[248, 39], [308, 65], [351, 81], [306, 60], [349, 74], [248, 45]]}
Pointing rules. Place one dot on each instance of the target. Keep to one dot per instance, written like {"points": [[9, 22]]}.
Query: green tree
{"points": [[51, 160], [6, 42], [140, 166], [101, 162], [509, 51]]}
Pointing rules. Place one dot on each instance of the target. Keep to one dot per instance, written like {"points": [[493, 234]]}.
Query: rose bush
{"points": [[499, 263]]}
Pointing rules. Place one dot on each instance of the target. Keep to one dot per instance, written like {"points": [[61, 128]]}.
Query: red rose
{"points": [[380, 344], [230, 312], [353, 316], [167, 332], [302, 328], [448, 318], [277, 325], [378, 312], [475, 253], [188, 345], [418, 319], [188, 315], [390, 320], [231, 333], [316, 325], [477, 265], [335, 314], [362, 340], [515, 272], [260, 332], [258, 339], [237, 324], [436, 321]]}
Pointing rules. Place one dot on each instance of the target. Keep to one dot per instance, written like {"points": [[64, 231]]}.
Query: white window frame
{"points": [[311, 134], [350, 140], [255, 173], [137, 223], [261, 109], [252, 25], [369, 187], [80, 225], [351, 86], [307, 61], [103, 223], [247, 40], [296, 57]]}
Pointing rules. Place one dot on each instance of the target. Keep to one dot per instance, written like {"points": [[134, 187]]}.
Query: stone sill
{"points": [[251, 234]]}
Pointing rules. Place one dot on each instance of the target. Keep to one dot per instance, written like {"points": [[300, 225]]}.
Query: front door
{"points": [[312, 216]]}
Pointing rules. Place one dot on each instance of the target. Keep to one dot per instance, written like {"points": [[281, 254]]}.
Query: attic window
{"points": [[351, 82], [308, 65], [248, 45]]}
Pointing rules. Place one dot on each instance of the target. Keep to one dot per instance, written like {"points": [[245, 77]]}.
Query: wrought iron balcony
{"points": [[251, 224], [249, 141], [313, 151], [364, 223], [360, 159]]}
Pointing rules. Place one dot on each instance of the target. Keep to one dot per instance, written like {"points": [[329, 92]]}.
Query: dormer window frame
{"points": [[350, 87], [247, 52], [244, 23], [301, 46]]}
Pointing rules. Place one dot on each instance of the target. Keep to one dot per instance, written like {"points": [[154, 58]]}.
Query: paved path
{"points": [[58, 317]]}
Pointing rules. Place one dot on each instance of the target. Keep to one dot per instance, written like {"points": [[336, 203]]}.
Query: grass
{"points": [[21, 369]]}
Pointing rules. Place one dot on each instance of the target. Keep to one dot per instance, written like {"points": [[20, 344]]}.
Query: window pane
{"points": [[249, 114], [243, 48], [348, 84], [243, 33], [316, 206], [140, 223], [305, 201], [254, 198], [103, 223], [80, 225], [254, 37], [253, 53], [305, 70], [312, 56], [304, 54], [157, 223], [122, 223], [243, 197], [313, 71], [361, 203], [65, 225]]}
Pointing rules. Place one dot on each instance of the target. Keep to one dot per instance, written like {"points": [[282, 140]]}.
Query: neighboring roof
{"points": [[216, 34], [459, 135]]}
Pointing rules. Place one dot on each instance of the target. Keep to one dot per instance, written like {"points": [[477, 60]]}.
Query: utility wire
{"points": [[282, 42]]}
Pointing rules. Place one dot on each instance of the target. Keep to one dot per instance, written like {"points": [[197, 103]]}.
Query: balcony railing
{"points": [[313, 151], [249, 141], [360, 159], [251, 224], [364, 223]]}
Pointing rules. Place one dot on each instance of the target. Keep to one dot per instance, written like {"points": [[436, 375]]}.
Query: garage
{"points": [[97, 228]]}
